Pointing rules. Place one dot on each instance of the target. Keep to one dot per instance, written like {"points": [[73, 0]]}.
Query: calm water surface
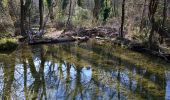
{"points": [[87, 71]]}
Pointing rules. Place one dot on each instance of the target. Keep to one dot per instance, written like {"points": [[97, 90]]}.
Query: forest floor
{"points": [[80, 34], [54, 34], [84, 32]]}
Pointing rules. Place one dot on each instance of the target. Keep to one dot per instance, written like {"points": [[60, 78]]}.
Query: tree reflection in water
{"points": [[70, 71]]}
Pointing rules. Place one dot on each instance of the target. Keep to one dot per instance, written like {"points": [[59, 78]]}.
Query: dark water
{"points": [[87, 71]]}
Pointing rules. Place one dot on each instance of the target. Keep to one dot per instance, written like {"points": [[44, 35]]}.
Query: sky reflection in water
{"points": [[76, 72]]}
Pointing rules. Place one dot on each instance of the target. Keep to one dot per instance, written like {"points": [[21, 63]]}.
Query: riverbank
{"points": [[80, 35], [102, 34], [76, 34]]}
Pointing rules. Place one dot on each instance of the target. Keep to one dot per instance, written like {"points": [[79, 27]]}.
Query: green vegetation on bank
{"points": [[8, 44]]}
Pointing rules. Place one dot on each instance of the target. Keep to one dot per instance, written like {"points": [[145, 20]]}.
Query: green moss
{"points": [[8, 44], [4, 33], [5, 3]]}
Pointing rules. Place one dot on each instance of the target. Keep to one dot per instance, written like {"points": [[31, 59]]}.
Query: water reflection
{"points": [[167, 95], [85, 71]]}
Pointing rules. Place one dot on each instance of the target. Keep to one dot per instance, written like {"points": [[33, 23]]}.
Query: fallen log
{"points": [[46, 41], [58, 40]]}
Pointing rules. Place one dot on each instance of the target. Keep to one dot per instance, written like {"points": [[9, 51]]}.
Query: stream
{"points": [[88, 71]]}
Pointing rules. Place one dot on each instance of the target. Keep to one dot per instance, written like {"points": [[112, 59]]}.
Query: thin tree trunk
{"points": [[164, 19], [122, 19], [115, 10], [29, 23], [142, 17], [41, 10], [22, 18], [41, 31], [69, 16], [164, 12]]}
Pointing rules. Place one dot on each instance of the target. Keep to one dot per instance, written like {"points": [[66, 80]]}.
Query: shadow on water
{"points": [[85, 71]]}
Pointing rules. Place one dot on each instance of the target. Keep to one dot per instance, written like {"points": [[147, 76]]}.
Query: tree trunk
{"points": [[152, 10], [41, 10], [115, 10], [123, 18], [142, 17], [69, 16], [22, 18], [164, 19], [51, 14], [164, 12], [96, 9]]}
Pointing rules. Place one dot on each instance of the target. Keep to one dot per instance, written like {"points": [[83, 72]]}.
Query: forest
{"points": [[85, 49]]}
